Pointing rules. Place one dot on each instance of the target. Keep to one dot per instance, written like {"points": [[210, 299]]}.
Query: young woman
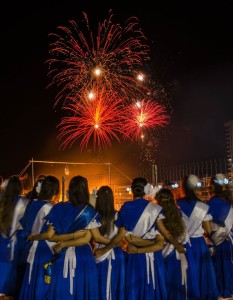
{"points": [[145, 273], [221, 205], [74, 271], [12, 208], [35, 228], [111, 266], [184, 285], [197, 220]]}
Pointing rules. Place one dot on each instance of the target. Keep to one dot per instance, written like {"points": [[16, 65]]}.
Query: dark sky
{"points": [[192, 57]]}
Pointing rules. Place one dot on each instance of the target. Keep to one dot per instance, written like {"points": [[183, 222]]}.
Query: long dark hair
{"points": [[78, 190], [137, 186], [105, 206], [50, 187], [173, 220], [13, 189]]}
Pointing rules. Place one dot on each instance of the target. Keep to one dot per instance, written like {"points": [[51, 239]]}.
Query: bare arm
{"points": [[207, 226], [68, 236], [98, 237], [42, 236], [74, 242], [168, 236], [157, 245], [114, 242], [137, 241]]}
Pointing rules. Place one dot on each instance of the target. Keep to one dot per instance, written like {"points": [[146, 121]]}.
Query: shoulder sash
{"points": [[222, 232], [147, 219], [197, 216], [39, 220]]}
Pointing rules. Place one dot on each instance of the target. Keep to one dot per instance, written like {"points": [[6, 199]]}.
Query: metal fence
{"points": [[120, 178]]}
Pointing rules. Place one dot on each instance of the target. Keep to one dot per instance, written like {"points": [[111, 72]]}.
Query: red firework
{"points": [[112, 59], [96, 119], [141, 116]]}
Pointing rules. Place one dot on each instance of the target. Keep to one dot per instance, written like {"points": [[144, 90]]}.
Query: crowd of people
{"points": [[157, 246]]}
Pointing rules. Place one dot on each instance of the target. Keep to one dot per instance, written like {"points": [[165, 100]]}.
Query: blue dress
{"points": [[145, 272], [74, 272], [111, 272], [180, 287], [204, 266], [37, 252], [223, 255], [11, 248]]}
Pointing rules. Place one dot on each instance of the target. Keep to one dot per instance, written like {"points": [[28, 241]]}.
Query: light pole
{"points": [[67, 172]]}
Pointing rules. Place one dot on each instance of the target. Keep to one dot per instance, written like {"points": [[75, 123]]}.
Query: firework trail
{"points": [[113, 59]]}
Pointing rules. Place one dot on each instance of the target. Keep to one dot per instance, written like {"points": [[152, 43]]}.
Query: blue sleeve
{"points": [[120, 217]]}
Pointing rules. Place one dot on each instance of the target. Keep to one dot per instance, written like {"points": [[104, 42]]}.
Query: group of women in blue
{"points": [[188, 273], [72, 250], [73, 269], [58, 258]]}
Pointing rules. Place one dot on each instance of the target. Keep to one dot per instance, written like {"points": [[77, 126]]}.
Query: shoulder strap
{"points": [[147, 219], [197, 216]]}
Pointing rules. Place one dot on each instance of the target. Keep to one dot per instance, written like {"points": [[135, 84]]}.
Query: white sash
{"points": [[39, 220], [196, 218], [15, 225], [143, 226], [147, 219], [184, 267], [70, 256], [150, 266], [229, 220], [168, 248], [70, 266], [108, 283], [36, 229], [32, 253], [110, 255], [31, 257], [111, 235], [223, 232]]}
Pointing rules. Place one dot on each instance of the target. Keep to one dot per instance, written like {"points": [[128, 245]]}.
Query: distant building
{"points": [[229, 146]]}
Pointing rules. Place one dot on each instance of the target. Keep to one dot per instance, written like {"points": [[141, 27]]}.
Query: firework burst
{"points": [[97, 77], [113, 59], [97, 118], [141, 116]]}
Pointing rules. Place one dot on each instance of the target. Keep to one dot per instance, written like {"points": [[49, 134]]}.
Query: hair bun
{"points": [[139, 181]]}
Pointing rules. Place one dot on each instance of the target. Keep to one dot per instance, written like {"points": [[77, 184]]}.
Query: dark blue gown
{"points": [[111, 272], [38, 252], [145, 272], [204, 266], [74, 272]]}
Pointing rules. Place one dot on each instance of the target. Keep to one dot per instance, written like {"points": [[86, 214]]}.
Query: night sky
{"points": [[191, 57]]}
